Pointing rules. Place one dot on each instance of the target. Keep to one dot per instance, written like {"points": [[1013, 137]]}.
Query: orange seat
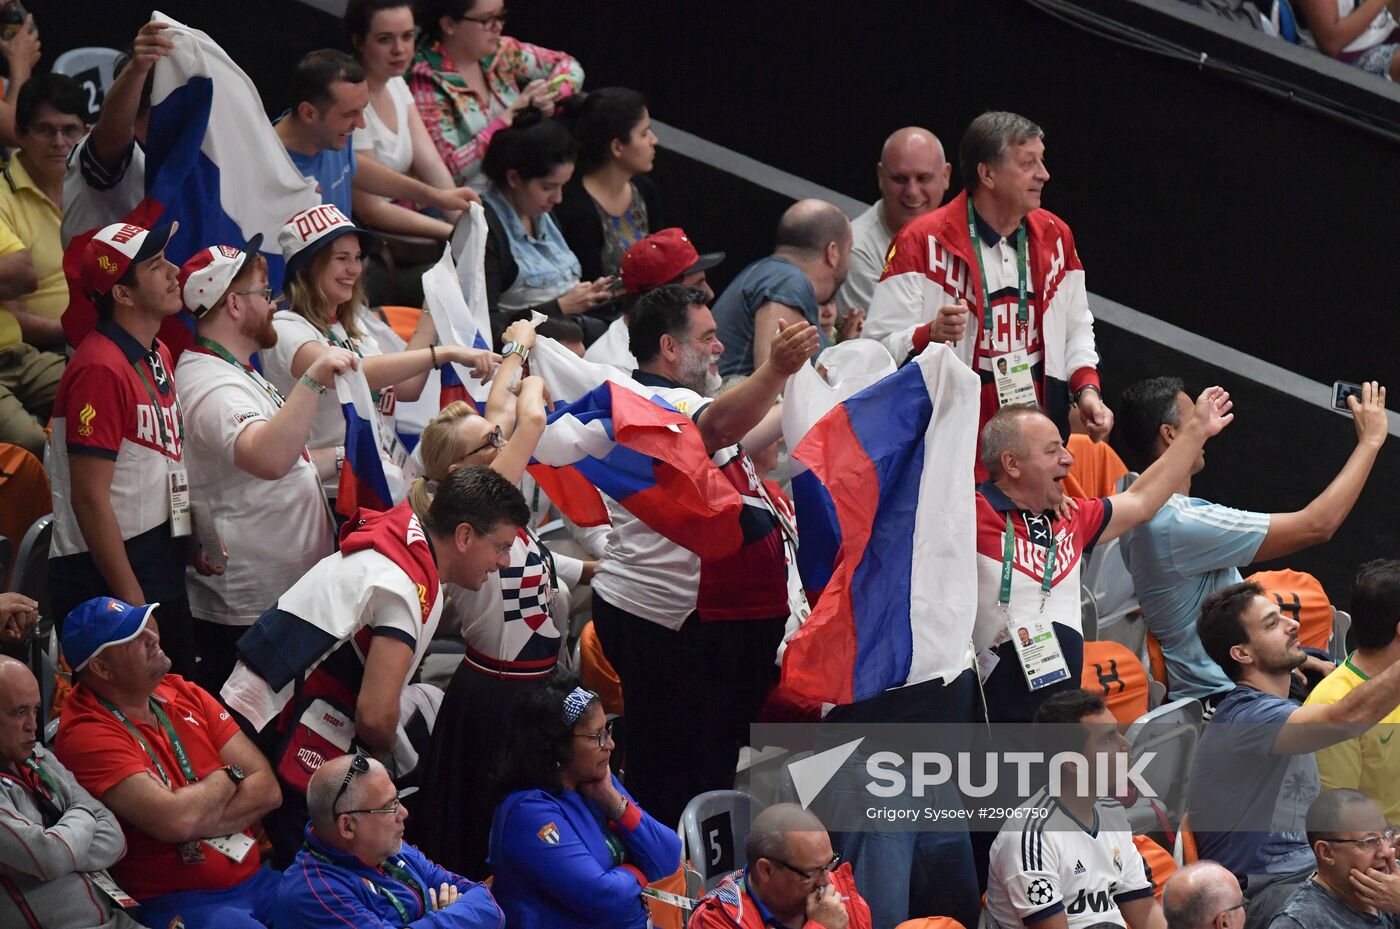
{"points": [[667, 915], [1115, 672], [1188, 841], [1300, 595], [596, 672], [931, 922], [1157, 662], [1096, 469], [24, 496], [402, 319], [1160, 864]]}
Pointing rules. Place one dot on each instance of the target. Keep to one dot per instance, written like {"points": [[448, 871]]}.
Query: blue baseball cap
{"points": [[98, 623]]}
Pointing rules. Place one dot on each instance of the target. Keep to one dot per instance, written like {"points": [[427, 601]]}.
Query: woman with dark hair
{"points": [[569, 847], [610, 203], [528, 265], [470, 80], [382, 32]]}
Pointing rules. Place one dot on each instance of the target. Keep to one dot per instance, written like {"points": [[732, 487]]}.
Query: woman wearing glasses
{"points": [[512, 626], [470, 80], [569, 847]]}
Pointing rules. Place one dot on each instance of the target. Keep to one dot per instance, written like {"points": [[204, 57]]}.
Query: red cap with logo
{"points": [[662, 257], [313, 229], [115, 248]]}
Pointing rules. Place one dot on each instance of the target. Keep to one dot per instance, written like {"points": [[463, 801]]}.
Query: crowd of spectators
{"points": [[249, 717]]}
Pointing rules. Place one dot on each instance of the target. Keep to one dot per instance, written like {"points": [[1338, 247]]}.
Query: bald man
{"points": [[54, 831], [913, 175], [355, 870], [807, 267], [792, 880], [1203, 895]]}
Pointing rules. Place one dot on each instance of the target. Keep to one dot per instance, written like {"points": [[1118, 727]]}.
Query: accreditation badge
{"points": [[1011, 373], [1038, 650], [178, 487]]}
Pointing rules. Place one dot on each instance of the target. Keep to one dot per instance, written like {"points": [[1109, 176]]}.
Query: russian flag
{"points": [[842, 371], [648, 457], [213, 162], [897, 461], [364, 480], [458, 319]]}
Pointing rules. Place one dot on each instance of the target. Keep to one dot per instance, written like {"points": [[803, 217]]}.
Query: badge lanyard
{"points": [[395, 872], [180, 755], [1023, 313], [1008, 557], [214, 348], [155, 401]]}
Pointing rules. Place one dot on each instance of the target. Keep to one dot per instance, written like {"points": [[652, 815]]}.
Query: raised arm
{"points": [[268, 449], [743, 406], [1318, 725], [1140, 502], [1320, 519], [115, 127]]}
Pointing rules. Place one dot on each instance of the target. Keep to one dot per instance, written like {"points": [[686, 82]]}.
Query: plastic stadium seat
{"points": [[1300, 595], [24, 496], [1170, 732], [1116, 673], [713, 828], [91, 67], [931, 922], [1159, 861]]}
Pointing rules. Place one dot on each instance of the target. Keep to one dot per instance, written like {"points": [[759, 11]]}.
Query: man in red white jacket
{"points": [[793, 879], [999, 278]]}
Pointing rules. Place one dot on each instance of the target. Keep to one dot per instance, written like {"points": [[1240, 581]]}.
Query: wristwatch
{"points": [[517, 349], [235, 773]]}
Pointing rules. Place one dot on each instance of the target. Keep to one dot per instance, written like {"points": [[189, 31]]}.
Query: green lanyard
{"points": [[1008, 558], [214, 348], [180, 756], [155, 401], [1023, 313], [395, 872], [33, 765]]}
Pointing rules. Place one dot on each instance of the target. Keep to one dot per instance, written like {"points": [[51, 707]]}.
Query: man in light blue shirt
{"points": [[1193, 547]]}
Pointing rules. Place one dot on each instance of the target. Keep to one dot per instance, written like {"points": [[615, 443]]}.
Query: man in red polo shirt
{"points": [[187, 786], [116, 459]]}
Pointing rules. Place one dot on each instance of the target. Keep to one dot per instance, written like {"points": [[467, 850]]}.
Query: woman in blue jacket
{"points": [[569, 847]]}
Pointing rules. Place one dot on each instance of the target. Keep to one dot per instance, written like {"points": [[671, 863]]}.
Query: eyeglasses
{"points": [[1230, 909], [497, 20], [360, 765], [814, 872], [50, 132], [1372, 842], [265, 293], [601, 736], [494, 439], [393, 807]]}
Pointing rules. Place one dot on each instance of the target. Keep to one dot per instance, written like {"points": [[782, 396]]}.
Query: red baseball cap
{"points": [[661, 258], [206, 277], [115, 248]]}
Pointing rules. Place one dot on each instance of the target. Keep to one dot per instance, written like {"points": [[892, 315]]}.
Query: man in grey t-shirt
{"points": [[1355, 878], [811, 260]]}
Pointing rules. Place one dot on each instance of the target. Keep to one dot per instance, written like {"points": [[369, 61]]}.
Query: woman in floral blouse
{"points": [[470, 80]]}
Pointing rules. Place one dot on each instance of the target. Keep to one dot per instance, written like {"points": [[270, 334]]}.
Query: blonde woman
{"points": [[324, 293], [509, 626]]}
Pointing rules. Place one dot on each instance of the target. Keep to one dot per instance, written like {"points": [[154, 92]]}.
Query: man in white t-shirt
{"points": [[253, 484], [1068, 860], [913, 175], [676, 629], [107, 168]]}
